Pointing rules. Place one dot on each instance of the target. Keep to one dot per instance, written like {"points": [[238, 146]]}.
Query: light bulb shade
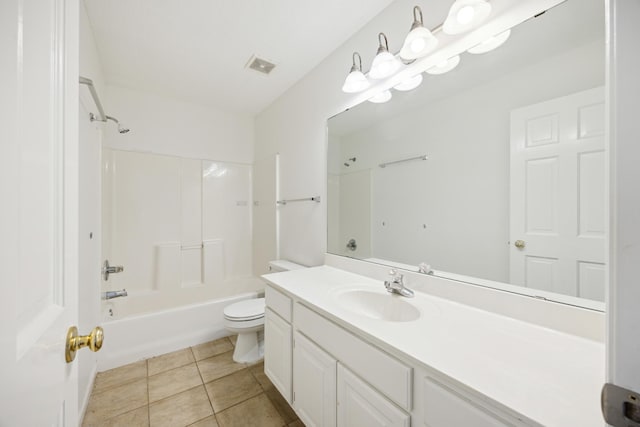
{"points": [[444, 66], [418, 43], [409, 84], [491, 43], [384, 65], [465, 15], [355, 82], [381, 97]]}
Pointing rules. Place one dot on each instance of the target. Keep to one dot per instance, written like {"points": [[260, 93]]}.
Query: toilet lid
{"points": [[246, 310]]}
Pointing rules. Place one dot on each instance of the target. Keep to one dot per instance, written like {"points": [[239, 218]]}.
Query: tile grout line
{"points": [[204, 386]]}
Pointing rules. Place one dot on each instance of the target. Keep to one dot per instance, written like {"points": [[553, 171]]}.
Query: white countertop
{"points": [[551, 377]]}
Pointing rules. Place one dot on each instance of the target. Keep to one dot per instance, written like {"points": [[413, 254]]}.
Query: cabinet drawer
{"points": [[361, 405], [384, 372], [278, 302], [444, 407]]}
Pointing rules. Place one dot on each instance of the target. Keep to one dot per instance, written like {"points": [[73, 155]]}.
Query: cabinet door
{"points": [[314, 383], [443, 407], [359, 405], [277, 352]]}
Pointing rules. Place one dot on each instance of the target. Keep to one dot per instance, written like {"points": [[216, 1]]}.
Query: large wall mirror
{"points": [[493, 173]]}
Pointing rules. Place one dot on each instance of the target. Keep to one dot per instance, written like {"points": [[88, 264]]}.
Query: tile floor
{"points": [[198, 386]]}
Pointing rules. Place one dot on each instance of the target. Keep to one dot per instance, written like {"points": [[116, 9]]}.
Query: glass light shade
{"points": [[444, 66], [418, 43], [465, 15], [384, 65], [355, 82], [491, 43], [380, 98], [409, 84]]}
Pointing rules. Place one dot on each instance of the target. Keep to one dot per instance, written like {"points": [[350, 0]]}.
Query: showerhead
{"points": [[350, 159], [121, 129]]}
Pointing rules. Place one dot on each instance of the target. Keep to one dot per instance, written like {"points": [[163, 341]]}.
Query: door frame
{"points": [[623, 102]]}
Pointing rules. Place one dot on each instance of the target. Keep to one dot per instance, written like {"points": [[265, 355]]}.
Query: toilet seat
{"points": [[246, 310]]}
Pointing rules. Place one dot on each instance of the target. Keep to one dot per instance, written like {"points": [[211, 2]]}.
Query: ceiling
{"points": [[196, 50]]}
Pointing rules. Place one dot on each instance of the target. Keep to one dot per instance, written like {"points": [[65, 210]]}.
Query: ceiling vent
{"points": [[261, 65]]}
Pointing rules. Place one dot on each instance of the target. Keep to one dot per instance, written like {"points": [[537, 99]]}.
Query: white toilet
{"points": [[246, 318]]}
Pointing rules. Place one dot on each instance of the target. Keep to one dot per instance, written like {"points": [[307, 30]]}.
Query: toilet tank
{"points": [[283, 265]]}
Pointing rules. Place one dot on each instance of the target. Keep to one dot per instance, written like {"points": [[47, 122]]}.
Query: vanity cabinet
{"points": [[333, 377], [278, 342], [341, 380], [314, 373]]}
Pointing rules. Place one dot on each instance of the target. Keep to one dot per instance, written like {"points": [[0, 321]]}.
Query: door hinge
{"points": [[620, 406]]}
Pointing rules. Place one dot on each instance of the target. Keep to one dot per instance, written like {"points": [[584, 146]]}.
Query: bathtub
{"points": [[150, 323]]}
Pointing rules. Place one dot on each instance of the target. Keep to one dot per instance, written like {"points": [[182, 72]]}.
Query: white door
{"points": [[359, 405], [558, 191], [90, 203], [314, 383], [38, 210]]}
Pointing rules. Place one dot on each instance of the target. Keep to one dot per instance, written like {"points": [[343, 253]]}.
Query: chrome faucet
{"points": [[114, 294], [396, 285]]}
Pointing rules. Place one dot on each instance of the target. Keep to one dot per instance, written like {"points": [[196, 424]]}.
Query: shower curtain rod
{"points": [[307, 199], [96, 98]]}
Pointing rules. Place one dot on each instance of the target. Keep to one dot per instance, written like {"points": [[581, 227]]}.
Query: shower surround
{"points": [[175, 224]]}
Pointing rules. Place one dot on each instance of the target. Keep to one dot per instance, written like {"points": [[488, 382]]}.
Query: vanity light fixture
{"points": [[420, 41], [491, 43], [444, 66], [410, 83], [356, 80], [384, 64], [465, 15], [381, 97]]}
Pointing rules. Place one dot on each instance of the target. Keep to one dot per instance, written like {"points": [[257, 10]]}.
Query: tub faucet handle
{"points": [[114, 294], [110, 269]]}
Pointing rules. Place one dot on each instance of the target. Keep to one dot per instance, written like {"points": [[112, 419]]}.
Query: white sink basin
{"points": [[377, 305]]}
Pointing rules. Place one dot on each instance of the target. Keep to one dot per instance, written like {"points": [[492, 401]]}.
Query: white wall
{"points": [[90, 140], [165, 125], [466, 137], [295, 127]]}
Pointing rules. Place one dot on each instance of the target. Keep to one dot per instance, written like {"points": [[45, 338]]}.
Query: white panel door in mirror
{"points": [[558, 195]]}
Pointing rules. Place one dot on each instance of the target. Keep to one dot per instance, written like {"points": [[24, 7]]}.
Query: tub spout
{"points": [[114, 294]]}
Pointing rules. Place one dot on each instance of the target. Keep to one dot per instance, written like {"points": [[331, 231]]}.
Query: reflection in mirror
{"points": [[504, 180]]}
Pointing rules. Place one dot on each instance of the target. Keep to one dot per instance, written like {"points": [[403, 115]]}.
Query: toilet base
{"points": [[248, 349]]}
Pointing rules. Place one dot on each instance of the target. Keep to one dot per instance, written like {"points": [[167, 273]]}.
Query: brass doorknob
{"points": [[519, 244], [75, 342]]}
